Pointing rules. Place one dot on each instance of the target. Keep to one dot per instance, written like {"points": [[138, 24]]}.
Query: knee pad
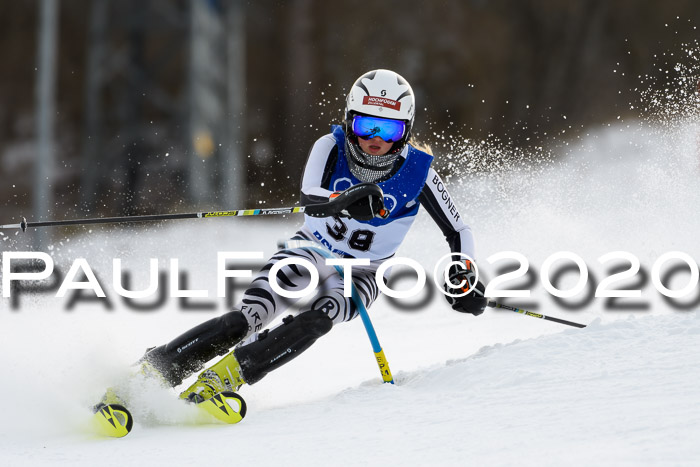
{"points": [[315, 322], [335, 305]]}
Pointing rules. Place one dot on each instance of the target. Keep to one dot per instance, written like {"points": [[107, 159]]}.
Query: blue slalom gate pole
{"points": [[357, 300], [376, 346]]}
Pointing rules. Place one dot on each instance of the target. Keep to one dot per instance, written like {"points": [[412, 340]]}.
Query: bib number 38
{"points": [[360, 240]]}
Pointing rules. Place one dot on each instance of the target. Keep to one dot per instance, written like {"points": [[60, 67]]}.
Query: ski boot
{"points": [[223, 376], [111, 416], [213, 392], [140, 372]]}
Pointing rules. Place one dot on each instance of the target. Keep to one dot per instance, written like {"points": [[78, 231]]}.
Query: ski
{"points": [[226, 406], [115, 420]]}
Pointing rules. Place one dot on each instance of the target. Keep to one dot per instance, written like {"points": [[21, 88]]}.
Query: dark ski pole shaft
{"points": [[155, 217], [493, 304]]}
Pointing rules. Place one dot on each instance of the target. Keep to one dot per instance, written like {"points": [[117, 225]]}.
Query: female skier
{"points": [[362, 186]]}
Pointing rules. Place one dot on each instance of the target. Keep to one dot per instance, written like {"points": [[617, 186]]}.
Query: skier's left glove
{"points": [[463, 278]]}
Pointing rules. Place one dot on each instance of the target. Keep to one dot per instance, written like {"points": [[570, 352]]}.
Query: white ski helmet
{"points": [[384, 94]]}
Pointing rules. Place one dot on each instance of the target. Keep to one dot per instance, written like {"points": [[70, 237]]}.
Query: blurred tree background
{"points": [[174, 105]]}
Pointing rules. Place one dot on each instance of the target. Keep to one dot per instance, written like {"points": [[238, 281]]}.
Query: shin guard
{"points": [[282, 344], [188, 352]]}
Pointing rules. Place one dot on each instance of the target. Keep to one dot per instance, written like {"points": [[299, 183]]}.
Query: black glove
{"points": [[474, 302], [363, 202]]}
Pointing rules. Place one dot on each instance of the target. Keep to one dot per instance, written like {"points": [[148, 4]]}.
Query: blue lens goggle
{"points": [[367, 127]]}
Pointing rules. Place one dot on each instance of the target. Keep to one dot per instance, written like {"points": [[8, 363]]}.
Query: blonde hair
{"points": [[421, 146]]}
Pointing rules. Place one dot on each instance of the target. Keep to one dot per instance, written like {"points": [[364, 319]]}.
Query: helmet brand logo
{"points": [[381, 102]]}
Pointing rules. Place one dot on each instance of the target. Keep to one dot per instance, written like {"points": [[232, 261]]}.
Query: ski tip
{"points": [[113, 420], [226, 406]]}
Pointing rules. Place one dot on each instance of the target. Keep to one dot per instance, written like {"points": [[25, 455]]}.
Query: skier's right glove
{"points": [[462, 279], [363, 202]]}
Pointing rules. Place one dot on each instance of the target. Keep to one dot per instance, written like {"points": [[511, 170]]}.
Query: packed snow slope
{"points": [[620, 393], [499, 389]]}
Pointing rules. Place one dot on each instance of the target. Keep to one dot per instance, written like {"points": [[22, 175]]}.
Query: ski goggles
{"points": [[367, 127]]}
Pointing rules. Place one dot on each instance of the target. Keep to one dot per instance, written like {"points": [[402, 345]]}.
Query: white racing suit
{"points": [[412, 183], [260, 349]]}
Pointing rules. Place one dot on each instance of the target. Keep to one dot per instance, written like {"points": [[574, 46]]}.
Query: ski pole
{"points": [[493, 304], [156, 217]]}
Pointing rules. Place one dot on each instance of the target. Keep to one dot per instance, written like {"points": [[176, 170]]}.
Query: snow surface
{"points": [[500, 389]]}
